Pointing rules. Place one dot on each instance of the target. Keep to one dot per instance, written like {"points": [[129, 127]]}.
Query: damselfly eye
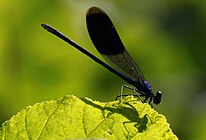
{"points": [[157, 97]]}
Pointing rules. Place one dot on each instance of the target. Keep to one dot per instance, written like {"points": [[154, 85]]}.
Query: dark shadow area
{"points": [[127, 111]]}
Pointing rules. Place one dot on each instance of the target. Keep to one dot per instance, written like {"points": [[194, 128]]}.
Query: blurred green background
{"points": [[165, 38]]}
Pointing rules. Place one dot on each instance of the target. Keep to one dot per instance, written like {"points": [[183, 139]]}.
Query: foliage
{"points": [[72, 117]]}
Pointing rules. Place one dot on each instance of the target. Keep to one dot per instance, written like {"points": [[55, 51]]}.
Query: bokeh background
{"points": [[165, 38]]}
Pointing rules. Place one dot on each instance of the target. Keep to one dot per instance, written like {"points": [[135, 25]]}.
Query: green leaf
{"points": [[72, 117]]}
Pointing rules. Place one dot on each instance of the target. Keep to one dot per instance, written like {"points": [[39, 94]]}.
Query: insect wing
{"points": [[108, 43]]}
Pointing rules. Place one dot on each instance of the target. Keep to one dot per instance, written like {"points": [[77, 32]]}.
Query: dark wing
{"points": [[106, 40]]}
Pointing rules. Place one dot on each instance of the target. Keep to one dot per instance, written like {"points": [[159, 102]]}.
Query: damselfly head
{"points": [[157, 98]]}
